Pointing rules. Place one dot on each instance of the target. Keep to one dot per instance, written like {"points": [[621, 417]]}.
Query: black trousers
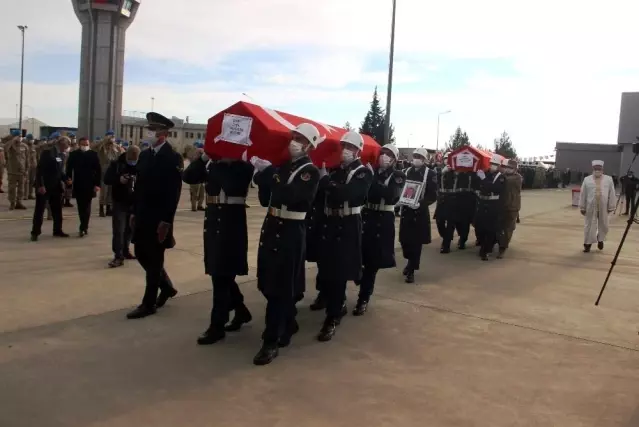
{"points": [[630, 199], [150, 255], [55, 203], [84, 210], [280, 317], [335, 294], [367, 283], [446, 229], [463, 229], [121, 229], [226, 297], [487, 238]]}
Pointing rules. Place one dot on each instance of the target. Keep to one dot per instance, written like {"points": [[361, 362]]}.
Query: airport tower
{"points": [[104, 25]]}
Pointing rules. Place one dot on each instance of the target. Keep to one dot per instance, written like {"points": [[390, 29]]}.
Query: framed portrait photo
{"points": [[411, 193]]}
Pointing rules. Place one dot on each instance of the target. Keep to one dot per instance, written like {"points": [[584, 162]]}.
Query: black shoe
{"points": [[406, 269], [60, 234], [444, 250], [410, 277], [140, 312], [68, 205], [129, 256], [211, 336], [328, 330], [360, 308], [82, 233], [116, 262], [587, 248], [34, 237], [319, 303], [164, 297], [600, 245], [285, 339], [109, 210], [20, 206], [242, 316], [461, 245], [484, 257], [201, 208], [266, 355], [342, 313], [500, 255], [102, 215]]}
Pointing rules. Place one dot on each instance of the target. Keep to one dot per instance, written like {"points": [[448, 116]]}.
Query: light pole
{"points": [[438, 116], [390, 78], [152, 104], [32, 119], [22, 28]]}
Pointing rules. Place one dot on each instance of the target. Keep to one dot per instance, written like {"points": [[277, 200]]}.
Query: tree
{"points": [[348, 126], [504, 146], [458, 139], [373, 124], [481, 147]]}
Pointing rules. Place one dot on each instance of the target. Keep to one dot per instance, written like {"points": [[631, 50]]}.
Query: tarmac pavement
{"points": [[512, 342]]}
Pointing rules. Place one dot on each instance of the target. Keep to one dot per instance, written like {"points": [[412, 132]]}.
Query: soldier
{"points": [[197, 190], [510, 205], [378, 218], [29, 181], [445, 206], [488, 207], [288, 191], [3, 163], [17, 167], [414, 225], [340, 253], [464, 205], [225, 238], [314, 221], [108, 151]]}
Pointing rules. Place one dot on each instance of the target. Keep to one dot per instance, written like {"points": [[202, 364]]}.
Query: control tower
{"points": [[104, 25]]}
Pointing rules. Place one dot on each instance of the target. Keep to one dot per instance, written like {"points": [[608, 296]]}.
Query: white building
{"points": [[30, 124], [133, 130]]}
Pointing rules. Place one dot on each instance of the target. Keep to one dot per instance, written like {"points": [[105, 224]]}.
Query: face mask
{"points": [[84, 147], [597, 173], [347, 156], [132, 162], [509, 170], [66, 150], [385, 160], [418, 163], [295, 149], [493, 168]]}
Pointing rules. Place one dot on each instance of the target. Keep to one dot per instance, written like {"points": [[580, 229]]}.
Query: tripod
{"points": [[631, 220]]}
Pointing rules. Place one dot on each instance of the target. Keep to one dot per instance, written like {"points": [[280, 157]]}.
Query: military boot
{"points": [[242, 316], [266, 355], [328, 330], [319, 303], [360, 308]]}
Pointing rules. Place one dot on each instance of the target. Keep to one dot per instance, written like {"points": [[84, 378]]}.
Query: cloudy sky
{"points": [[544, 71]]}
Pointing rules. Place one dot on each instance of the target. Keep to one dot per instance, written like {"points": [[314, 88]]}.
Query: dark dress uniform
{"points": [[225, 239], [83, 167], [378, 230], [340, 257], [288, 191], [464, 205], [50, 174], [445, 210], [414, 225], [314, 220], [156, 197], [488, 211]]}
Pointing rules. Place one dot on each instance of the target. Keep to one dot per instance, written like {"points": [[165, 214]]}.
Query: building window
{"points": [[191, 135], [141, 132], [130, 132], [199, 135]]}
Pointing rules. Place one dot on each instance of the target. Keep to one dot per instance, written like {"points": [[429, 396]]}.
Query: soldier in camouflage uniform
{"points": [[32, 161], [16, 152], [2, 164], [107, 151]]}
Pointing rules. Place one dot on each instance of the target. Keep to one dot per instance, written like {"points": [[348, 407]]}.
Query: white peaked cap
{"points": [[598, 163]]}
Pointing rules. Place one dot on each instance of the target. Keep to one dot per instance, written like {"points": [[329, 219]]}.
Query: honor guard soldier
{"points": [[225, 238], [489, 207], [378, 218], [340, 256], [464, 205], [288, 191], [157, 193], [445, 210], [314, 221], [414, 225]]}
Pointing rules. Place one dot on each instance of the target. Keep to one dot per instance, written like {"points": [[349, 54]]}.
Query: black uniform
{"points": [[378, 234], [225, 239], [340, 256], [288, 191], [488, 210], [314, 220], [464, 205], [157, 193], [83, 167], [50, 174], [629, 187], [414, 225], [445, 210]]}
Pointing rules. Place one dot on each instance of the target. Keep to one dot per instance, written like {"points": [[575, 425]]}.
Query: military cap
{"points": [[71, 135], [15, 132], [29, 136], [54, 135], [158, 121], [145, 144], [512, 163], [109, 133]]}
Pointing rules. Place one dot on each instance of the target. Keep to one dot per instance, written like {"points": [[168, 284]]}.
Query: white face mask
{"points": [[418, 163], [84, 147], [385, 161], [66, 150], [295, 149], [597, 173], [347, 156], [493, 168]]}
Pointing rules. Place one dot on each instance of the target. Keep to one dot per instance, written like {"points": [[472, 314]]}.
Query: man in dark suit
{"points": [[50, 183], [157, 193], [83, 168]]}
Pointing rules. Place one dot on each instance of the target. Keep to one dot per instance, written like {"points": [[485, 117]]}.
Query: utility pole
{"points": [[22, 28], [390, 79], [152, 104]]}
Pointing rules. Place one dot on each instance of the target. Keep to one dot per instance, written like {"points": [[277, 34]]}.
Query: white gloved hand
{"points": [[259, 164], [244, 155], [481, 174], [204, 157], [323, 172], [417, 205], [446, 169]]}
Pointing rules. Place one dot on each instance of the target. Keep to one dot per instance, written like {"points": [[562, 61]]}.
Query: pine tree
{"points": [[348, 126], [504, 146], [458, 139], [373, 124]]}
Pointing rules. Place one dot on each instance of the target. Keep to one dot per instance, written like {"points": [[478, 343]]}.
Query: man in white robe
{"points": [[596, 202]]}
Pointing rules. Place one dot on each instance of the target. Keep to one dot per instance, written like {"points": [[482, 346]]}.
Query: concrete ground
{"points": [[513, 342]]}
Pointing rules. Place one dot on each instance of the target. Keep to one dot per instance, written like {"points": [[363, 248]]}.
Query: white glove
{"points": [[417, 205], [259, 164], [244, 155], [370, 167], [204, 157], [446, 169], [481, 174], [323, 172]]}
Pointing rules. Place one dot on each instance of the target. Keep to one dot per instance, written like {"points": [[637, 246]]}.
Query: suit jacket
{"points": [[50, 171], [83, 167], [157, 192]]}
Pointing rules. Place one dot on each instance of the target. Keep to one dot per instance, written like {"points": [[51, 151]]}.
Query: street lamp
{"points": [[438, 116], [390, 78], [152, 104], [32, 119], [22, 28]]}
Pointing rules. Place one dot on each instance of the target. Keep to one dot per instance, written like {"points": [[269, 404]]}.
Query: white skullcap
{"points": [[598, 163]]}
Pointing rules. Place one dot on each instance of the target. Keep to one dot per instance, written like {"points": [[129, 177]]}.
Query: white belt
{"points": [[225, 200], [489, 197], [380, 207], [343, 211], [286, 214]]}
